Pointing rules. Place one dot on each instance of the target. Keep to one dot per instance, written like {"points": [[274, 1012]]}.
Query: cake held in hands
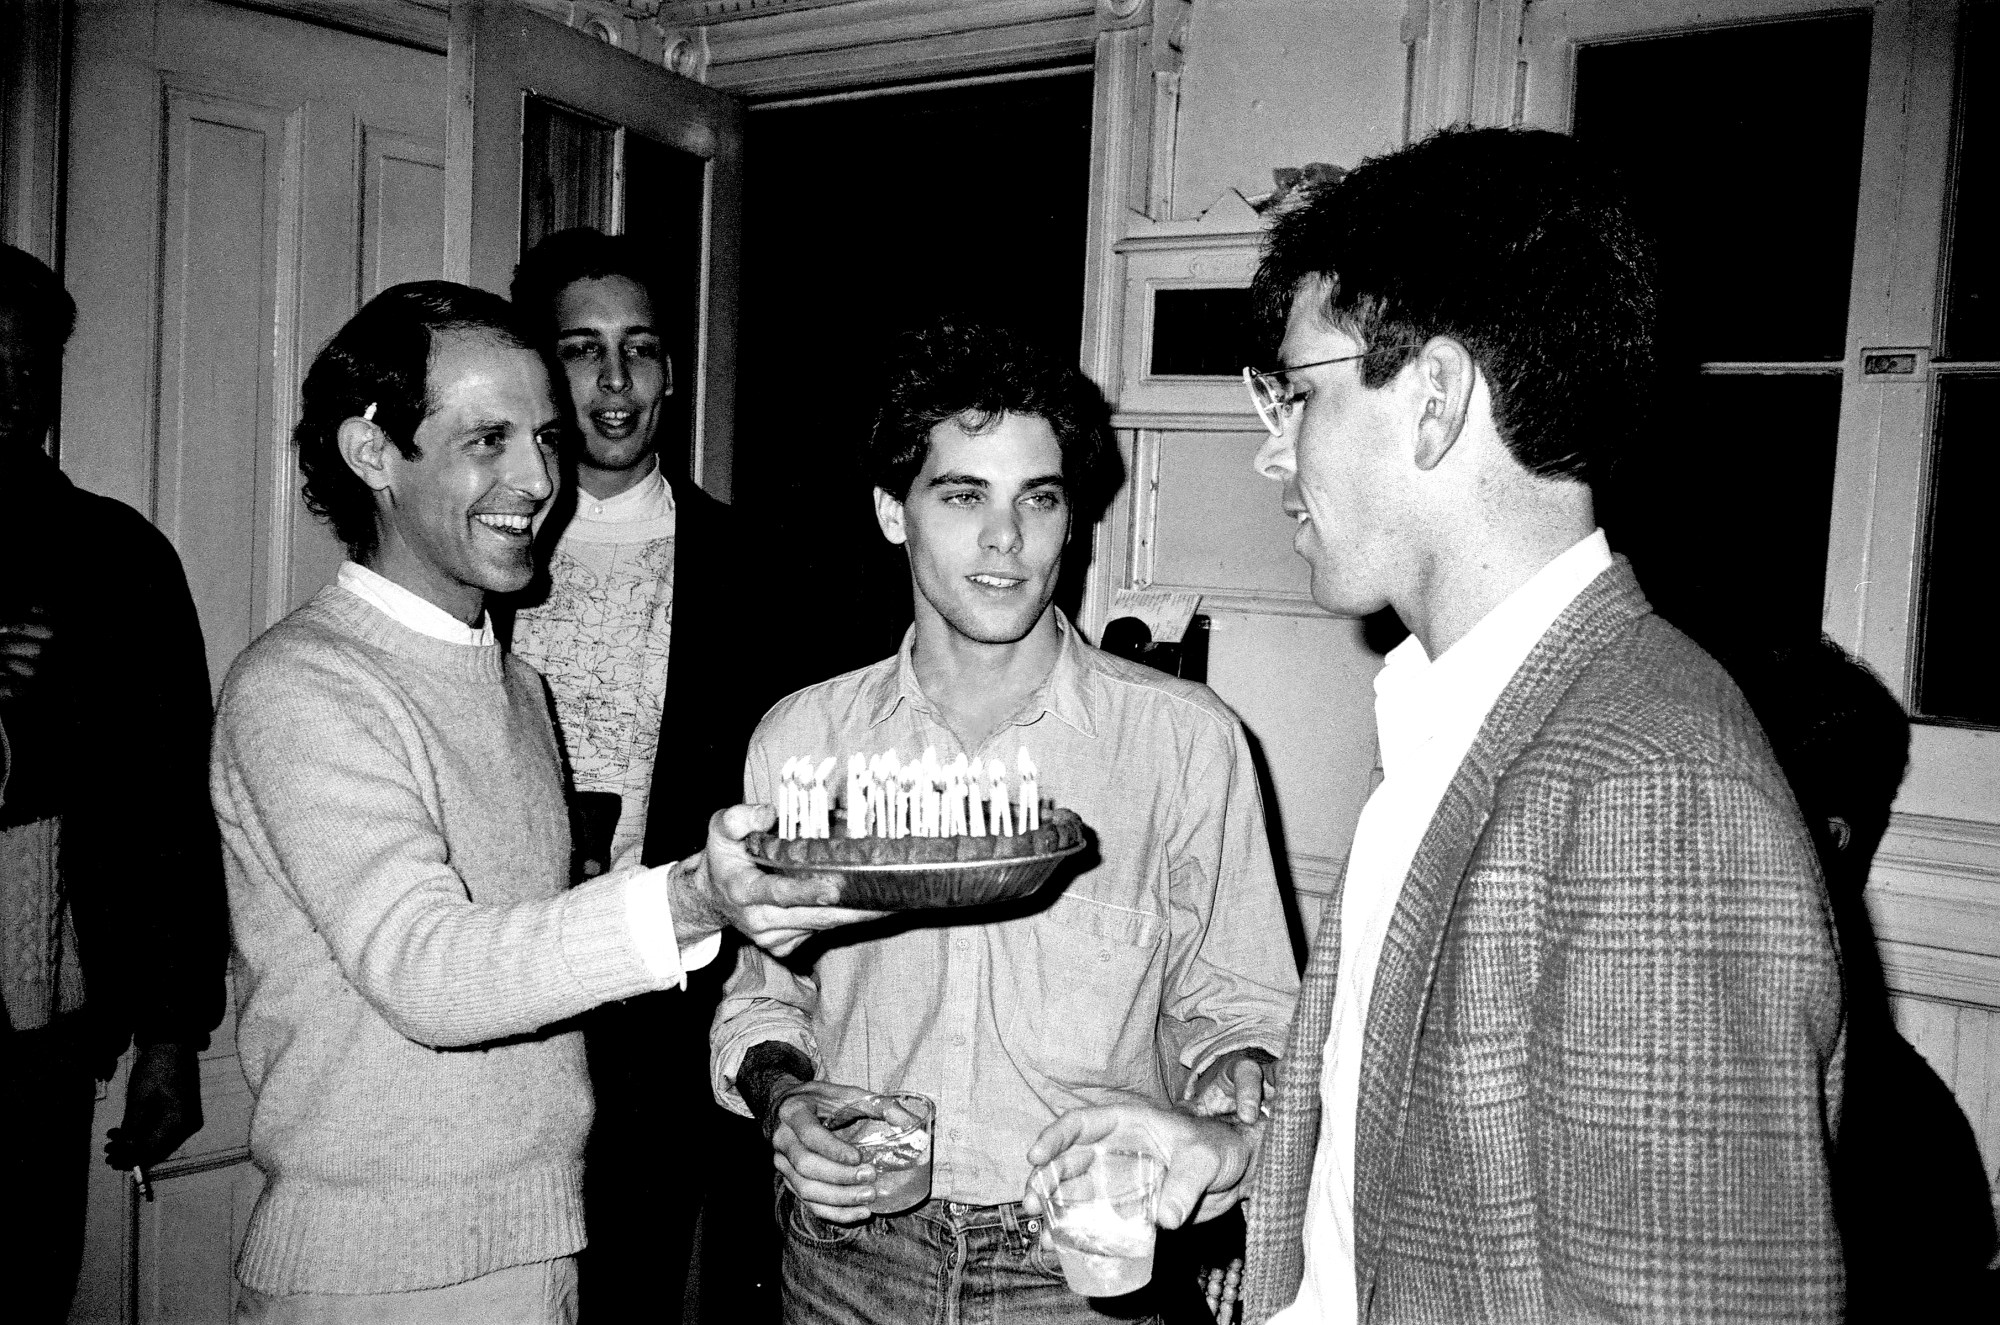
{"points": [[898, 816]]}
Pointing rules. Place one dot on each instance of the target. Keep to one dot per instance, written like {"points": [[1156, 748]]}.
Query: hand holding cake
{"points": [[723, 887]]}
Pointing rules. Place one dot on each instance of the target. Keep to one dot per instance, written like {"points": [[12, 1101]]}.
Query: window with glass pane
{"points": [[1955, 668], [1742, 148], [569, 174]]}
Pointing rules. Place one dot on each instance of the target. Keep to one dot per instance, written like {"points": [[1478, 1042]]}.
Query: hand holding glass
{"points": [[1101, 1204], [893, 1134]]}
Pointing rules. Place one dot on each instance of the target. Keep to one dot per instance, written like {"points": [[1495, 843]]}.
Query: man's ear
{"points": [[889, 515], [364, 446], [1446, 376], [667, 373]]}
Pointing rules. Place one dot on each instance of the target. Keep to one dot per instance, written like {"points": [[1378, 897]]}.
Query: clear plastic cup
{"points": [[1101, 1204], [893, 1133]]}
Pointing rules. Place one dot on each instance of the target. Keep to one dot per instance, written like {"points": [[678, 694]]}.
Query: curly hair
{"points": [[579, 254], [974, 374], [381, 358], [1514, 243]]}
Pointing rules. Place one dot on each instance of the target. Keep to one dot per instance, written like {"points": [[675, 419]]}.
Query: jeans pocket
{"points": [[808, 1227]]}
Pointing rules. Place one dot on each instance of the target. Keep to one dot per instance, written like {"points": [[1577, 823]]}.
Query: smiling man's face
{"points": [[457, 522], [985, 523], [618, 374]]}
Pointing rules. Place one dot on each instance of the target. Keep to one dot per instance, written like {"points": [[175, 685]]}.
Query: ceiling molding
{"points": [[808, 47]]}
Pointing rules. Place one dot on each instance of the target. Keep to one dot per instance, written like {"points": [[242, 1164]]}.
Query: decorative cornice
{"points": [[729, 11]]}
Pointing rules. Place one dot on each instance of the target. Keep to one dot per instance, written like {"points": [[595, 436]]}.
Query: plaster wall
{"points": [[1270, 83]]}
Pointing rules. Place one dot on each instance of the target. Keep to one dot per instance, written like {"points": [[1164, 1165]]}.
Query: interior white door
{"points": [[237, 183], [548, 127]]}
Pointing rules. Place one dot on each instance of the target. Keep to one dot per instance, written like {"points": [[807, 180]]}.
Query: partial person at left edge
{"points": [[112, 922]]}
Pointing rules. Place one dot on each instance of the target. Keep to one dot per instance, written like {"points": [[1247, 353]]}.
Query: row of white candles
{"points": [[922, 798]]}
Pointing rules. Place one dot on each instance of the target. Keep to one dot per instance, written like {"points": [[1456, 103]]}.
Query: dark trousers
{"points": [[47, 1091], [663, 1159]]}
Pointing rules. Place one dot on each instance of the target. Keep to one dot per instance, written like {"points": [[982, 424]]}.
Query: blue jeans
{"points": [[940, 1264]]}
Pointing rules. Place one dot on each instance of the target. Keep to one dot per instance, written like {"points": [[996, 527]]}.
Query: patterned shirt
{"points": [[600, 641], [1166, 950]]}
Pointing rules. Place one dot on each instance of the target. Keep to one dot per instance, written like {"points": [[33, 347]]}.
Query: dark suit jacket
{"points": [[1603, 1051], [726, 664], [116, 742]]}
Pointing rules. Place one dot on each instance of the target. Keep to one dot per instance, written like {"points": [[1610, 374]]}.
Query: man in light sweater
{"points": [[390, 797], [1571, 1041]]}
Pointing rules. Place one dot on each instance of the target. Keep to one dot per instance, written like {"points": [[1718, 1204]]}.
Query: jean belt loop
{"points": [[1010, 1222]]}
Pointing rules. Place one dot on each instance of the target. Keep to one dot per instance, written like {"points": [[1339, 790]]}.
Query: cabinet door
{"points": [[548, 128]]}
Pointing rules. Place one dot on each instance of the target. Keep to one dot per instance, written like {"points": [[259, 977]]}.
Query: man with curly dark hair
{"points": [[1157, 969], [410, 951]]}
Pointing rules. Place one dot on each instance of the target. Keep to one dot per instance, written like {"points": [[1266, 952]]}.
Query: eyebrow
{"points": [[479, 426], [636, 329], [974, 481]]}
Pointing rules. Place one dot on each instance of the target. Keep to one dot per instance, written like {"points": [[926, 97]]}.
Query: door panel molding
{"points": [[233, 173]]}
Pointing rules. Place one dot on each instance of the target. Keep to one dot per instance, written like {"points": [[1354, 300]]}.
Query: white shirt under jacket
{"points": [[1427, 714]]}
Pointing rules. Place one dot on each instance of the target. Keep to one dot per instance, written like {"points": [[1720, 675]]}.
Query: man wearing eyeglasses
{"points": [[1570, 1042]]}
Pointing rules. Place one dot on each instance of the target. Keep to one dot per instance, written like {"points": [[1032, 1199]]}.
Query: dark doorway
{"points": [[863, 217]]}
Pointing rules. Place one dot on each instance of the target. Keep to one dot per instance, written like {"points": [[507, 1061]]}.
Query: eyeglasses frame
{"points": [[1267, 414]]}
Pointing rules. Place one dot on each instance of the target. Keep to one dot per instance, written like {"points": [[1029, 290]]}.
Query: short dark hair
{"points": [[382, 358], [27, 284], [579, 254], [974, 373], [1515, 244]]}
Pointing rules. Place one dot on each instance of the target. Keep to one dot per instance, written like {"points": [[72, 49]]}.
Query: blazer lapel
{"points": [[1408, 968]]}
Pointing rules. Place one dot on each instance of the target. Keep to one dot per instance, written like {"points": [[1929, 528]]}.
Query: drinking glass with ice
{"points": [[1101, 1203], [893, 1133]]}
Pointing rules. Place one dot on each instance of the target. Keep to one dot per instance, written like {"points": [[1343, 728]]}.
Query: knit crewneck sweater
{"points": [[397, 851]]}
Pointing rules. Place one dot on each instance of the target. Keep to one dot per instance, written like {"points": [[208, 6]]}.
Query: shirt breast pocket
{"points": [[1086, 995]]}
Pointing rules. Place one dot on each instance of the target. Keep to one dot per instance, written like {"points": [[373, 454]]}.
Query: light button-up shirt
{"points": [[1133, 970]]}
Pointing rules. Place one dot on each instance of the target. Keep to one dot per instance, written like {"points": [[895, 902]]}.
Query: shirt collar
{"points": [[648, 499], [1063, 694], [409, 609], [1416, 697]]}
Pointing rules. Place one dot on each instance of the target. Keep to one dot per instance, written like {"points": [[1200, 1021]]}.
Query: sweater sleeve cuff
{"points": [[650, 917]]}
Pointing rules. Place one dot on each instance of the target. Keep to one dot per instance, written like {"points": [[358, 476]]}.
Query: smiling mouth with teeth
{"points": [[996, 581], [505, 524]]}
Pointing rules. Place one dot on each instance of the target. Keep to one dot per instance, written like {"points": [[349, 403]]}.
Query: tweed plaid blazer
{"points": [[1603, 1050]]}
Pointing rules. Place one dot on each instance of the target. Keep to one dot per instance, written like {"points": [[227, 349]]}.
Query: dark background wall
{"points": [[862, 218]]}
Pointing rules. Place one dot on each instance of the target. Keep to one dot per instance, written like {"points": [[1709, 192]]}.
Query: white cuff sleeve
{"points": [[651, 919]]}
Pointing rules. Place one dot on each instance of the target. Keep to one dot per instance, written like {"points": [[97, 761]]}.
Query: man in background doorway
{"points": [[112, 922], [638, 628]]}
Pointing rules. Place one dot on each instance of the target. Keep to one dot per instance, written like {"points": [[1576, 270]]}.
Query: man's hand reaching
{"points": [[1234, 1086], [723, 886]]}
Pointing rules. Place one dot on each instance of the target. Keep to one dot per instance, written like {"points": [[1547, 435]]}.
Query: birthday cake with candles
{"points": [[923, 811]]}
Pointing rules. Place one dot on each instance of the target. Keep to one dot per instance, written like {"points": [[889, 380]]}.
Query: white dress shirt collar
{"points": [[1417, 698], [409, 609]]}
